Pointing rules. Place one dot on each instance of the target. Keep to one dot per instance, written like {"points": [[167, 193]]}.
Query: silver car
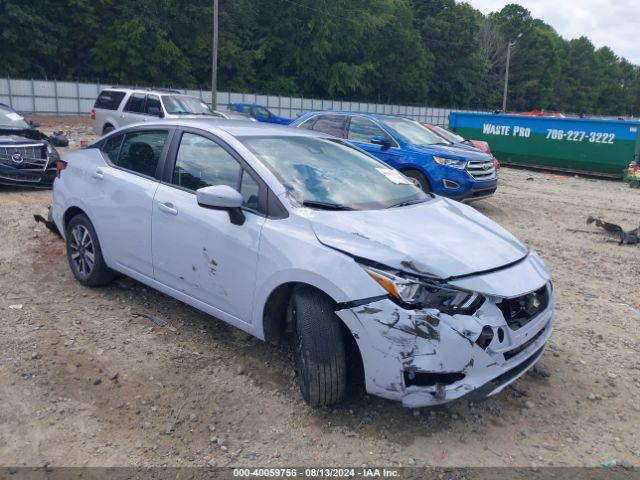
{"points": [[291, 234], [118, 107]]}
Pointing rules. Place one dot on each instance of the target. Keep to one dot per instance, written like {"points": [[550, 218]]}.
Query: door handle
{"points": [[167, 208], [98, 175]]}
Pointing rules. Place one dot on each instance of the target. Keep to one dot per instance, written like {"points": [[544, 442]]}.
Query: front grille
{"points": [[22, 176], [482, 170], [512, 353], [483, 193], [517, 370], [24, 157], [521, 310]]}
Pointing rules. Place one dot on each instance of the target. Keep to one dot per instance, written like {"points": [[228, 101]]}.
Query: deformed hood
{"points": [[19, 135], [440, 238]]}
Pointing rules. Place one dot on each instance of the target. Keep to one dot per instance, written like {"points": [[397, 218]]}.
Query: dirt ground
{"points": [[126, 376]]}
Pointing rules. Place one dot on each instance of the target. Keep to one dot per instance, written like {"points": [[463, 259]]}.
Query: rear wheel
{"points": [[107, 129], [418, 179], [635, 184], [84, 253], [318, 348]]}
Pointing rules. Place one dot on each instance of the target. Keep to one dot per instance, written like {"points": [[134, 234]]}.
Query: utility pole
{"points": [[214, 61], [506, 73]]}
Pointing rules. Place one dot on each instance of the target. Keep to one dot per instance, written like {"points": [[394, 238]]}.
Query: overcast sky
{"points": [[611, 23]]}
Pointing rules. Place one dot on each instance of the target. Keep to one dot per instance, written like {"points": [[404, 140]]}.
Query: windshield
{"points": [[412, 132], [178, 104], [10, 119], [327, 173], [449, 135]]}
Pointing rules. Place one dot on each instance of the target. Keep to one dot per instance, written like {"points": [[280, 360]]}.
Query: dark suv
{"points": [[27, 157]]}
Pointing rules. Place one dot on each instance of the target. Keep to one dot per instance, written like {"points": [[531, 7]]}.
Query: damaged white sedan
{"points": [[290, 234]]}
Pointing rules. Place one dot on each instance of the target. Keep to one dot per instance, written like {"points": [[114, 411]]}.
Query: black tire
{"points": [[635, 184], [418, 179], [107, 129], [82, 247], [318, 348]]}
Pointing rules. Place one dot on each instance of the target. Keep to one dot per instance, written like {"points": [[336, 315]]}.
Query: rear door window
{"points": [[135, 104], [140, 152], [331, 124], [109, 100]]}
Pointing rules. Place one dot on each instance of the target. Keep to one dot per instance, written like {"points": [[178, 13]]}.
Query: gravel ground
{"points": [[126, 376]]}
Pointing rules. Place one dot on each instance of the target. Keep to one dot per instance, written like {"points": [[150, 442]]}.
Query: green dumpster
{"points": [[571, 144]]}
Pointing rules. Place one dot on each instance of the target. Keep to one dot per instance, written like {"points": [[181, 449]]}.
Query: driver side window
{"points": [[201, 162], [362, 129]]}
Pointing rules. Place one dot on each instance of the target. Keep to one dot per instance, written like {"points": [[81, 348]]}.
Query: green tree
{"points": [[449, 33]]}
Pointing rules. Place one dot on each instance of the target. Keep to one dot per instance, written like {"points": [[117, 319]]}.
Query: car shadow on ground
{"points": [[270, 367]]}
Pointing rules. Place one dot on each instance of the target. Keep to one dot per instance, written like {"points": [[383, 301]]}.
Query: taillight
{"points": [[60, 165], [93, 114]]}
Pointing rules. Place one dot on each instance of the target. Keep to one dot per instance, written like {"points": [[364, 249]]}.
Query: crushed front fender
{"points": [[425, 357]]}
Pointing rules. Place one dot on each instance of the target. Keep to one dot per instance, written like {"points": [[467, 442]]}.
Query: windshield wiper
{"points": [[326, 205], [406, 203]]}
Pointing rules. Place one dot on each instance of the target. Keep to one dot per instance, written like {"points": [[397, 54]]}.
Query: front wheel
{"points": [[84, 253], [318, 348], [418, 179]]}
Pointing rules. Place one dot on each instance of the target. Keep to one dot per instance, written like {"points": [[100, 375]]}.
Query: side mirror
{"points": [[155, 111], [222, 197], [380, 140], [33, 124]]}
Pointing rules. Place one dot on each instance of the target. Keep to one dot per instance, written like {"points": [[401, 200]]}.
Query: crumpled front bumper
{"points": [[424, 357]]}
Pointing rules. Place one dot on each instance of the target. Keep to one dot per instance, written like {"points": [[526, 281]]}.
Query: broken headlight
{"points": [[416, 293]]}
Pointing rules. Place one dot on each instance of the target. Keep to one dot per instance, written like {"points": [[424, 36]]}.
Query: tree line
{"points": [[417, 52]]}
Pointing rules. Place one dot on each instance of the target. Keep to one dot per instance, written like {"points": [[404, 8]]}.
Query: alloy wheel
{"points": [[83, 253]]}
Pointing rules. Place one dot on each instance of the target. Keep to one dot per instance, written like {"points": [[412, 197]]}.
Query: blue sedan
{"points": [[431, 162], [260, 113]]}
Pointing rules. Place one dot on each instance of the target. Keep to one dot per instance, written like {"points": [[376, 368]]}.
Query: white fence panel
{"points": [[43, 89], [67, 89], [88, 91], [23, 104], [20, 87], [74, 98], [86, 105], [67, 105], [46, 105]]}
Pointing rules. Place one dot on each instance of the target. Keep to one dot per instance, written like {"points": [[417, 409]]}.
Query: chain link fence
{"points": [[50, 97]]}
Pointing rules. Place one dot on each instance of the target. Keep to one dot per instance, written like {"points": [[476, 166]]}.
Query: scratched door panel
{"points": [[199, 252]]}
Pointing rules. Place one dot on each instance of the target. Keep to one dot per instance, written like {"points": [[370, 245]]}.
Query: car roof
{"points": [[237, 128], [247, 104], [378, 116], [160, 91]]}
